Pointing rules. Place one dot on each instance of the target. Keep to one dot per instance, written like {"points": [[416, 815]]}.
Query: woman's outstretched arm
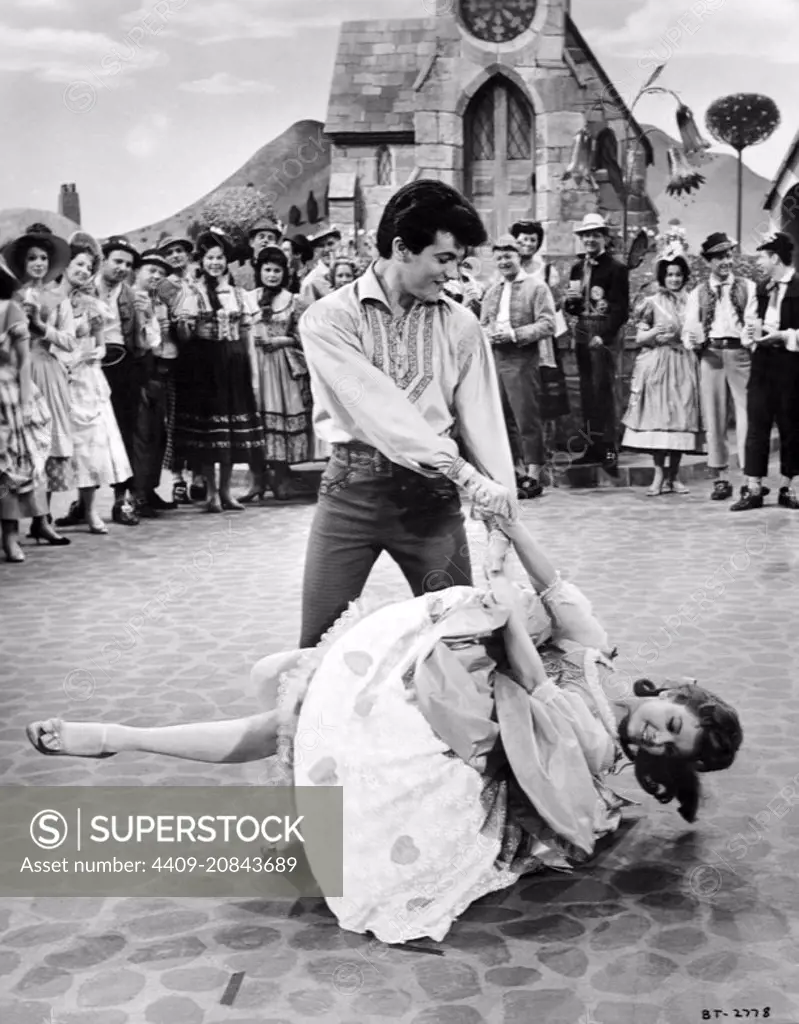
{"points": [[227, 742], [528, 669], [538, 567], [570, 611]]}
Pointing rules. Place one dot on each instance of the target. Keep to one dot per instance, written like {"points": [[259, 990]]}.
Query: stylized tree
{"points": [[741, 120], [234, 210], [295, 216]]}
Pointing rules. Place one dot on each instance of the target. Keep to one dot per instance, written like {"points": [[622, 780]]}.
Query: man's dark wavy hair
{"points": [[423, 208], [720, 737]]}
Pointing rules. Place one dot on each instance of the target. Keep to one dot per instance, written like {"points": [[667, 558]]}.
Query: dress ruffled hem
{"points": [[686, 442]]}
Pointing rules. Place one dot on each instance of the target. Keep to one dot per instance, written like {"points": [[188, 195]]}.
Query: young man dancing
{"points": [[401, 376]]}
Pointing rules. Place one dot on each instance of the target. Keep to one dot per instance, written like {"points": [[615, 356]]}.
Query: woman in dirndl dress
{"points": [[99, 451], [216, 417], [472, 734], [25, 425], [283, 390], [37, 258], [663, 414]]}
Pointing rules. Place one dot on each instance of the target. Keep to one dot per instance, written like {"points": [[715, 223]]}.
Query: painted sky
{"points": [[148, 108]]}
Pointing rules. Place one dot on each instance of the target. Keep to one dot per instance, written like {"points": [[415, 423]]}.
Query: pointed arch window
{"points": [[520, 128], [481, 127], [385, 166]]}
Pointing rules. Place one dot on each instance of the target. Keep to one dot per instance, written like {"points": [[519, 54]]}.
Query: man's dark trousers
{"points": [[520, 382], [368, 505], [772, 396], [597, 371], [149, 438], [127, 380]]}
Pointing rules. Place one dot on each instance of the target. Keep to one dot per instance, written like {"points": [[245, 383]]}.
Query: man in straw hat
{"points": [[125, 343], [398, 372], [599, 296], [773, 392], [715, 317], [316, 283], [518, 314]]}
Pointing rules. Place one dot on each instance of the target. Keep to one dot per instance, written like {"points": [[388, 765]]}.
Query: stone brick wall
{"points": [[361, 160]]}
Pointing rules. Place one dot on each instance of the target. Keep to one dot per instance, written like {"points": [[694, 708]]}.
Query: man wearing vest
{"points": [[773, 394], [715, 319], [518, 315]]}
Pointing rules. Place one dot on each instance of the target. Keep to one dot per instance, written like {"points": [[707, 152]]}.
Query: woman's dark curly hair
{"points": [[213, 238], [274, 255], [40, 243], [79, 248], [719, 739], [663, 269]]}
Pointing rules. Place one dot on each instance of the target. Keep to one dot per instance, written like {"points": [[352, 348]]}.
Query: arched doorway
{"points": [[789, 220], [499, 153]]}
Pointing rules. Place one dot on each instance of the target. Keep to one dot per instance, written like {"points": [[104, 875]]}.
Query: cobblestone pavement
{"points": [[668, 919]]}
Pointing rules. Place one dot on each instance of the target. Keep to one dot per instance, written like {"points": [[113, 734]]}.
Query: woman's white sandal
{"points": [[37, 731]]}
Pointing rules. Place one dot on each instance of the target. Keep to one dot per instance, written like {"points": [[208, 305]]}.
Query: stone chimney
{"points": [[69, 202]]}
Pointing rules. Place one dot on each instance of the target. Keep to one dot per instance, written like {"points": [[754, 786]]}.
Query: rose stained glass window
{"points": [[497, 21]]}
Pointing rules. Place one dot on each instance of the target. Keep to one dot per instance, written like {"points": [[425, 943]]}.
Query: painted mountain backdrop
{"points": [[294, 169]]}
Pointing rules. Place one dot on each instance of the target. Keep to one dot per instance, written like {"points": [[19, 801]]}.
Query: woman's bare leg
{"points": [[214, 503], [234, 741]]}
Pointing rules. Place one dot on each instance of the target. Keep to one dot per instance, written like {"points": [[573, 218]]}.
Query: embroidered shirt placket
{"points": [[398, 341]]}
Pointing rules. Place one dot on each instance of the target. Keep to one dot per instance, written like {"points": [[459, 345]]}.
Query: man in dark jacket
{"points": [[773, 392], [599, 296]]}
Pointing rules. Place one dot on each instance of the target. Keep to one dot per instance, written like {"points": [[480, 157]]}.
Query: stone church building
{"points": [[487, 95], [782, 201]]}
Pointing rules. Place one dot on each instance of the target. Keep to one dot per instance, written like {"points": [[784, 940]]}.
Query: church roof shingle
{"points": [[376, 67]]}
